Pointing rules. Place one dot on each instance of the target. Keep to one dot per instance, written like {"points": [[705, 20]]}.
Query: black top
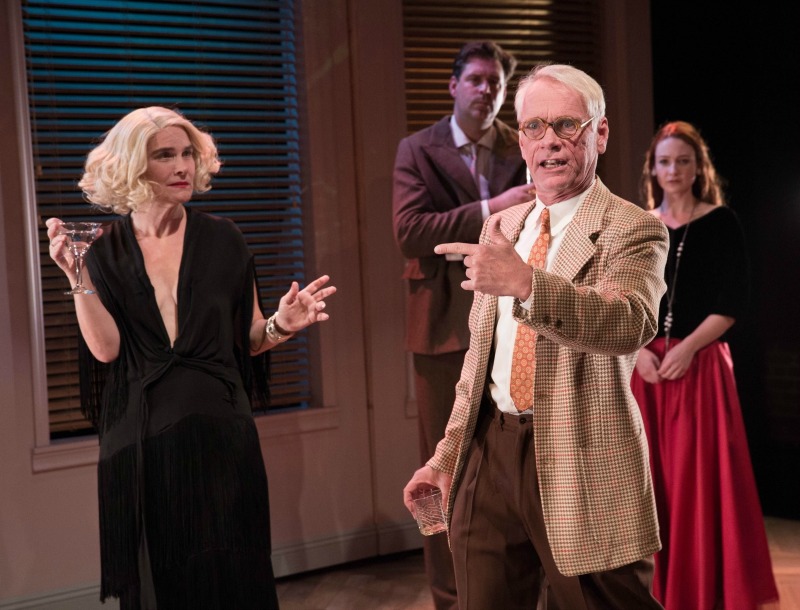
{"points": [[713, 276], [184, 512]]}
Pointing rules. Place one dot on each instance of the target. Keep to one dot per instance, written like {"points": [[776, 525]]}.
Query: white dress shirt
{"points": [[561, 215]]}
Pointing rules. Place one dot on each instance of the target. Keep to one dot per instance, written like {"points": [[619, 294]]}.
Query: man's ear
{"points": [[452, 86], [602, 135]]}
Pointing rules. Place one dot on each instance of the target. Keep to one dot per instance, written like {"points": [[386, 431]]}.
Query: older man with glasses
{"points": [[544, 459]]}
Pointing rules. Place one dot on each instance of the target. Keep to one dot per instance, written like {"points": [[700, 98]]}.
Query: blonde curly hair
{"points": [[113, 178]]}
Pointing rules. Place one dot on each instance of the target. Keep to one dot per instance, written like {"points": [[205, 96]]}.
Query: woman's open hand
{"points": [[301, 308]]}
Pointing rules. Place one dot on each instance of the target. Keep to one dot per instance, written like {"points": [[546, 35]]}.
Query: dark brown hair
{"points": [[485, 49]]}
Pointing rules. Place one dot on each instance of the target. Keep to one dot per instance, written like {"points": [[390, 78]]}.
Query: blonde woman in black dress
{"points": [[184, 508]]}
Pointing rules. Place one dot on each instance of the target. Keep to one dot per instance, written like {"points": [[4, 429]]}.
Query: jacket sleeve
{"points": [[616, 311]]}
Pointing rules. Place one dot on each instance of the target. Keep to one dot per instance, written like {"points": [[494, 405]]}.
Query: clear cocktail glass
{"points": [[80, 236]]}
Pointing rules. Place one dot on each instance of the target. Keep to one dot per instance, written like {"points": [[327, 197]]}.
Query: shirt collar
{"points": [[461, 139], [562, 212]]}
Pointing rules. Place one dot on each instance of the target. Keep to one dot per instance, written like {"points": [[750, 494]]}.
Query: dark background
{"points": [[734, 73]]}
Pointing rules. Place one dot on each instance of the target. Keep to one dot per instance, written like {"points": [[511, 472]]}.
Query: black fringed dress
{"points": [[184, 508]]}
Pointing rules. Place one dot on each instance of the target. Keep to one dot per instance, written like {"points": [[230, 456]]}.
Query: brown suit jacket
{"points": [[593, 311], [436, 200]]}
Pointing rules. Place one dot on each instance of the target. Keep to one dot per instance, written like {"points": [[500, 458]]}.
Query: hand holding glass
{"points": [[80, 236], [429, 511]]}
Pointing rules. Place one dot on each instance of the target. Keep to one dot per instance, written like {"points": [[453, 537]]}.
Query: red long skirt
{"points": [[715, 554]]}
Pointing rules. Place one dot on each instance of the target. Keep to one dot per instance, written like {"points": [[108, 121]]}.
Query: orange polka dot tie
{"points": [[523, 360]]}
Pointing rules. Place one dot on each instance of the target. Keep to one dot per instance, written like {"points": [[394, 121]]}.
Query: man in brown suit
{"points": [[448, 178], [549, 493]]}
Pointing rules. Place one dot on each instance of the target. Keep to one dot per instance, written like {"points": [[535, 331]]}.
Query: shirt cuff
{"points": [[527, 303], [485, 208]]}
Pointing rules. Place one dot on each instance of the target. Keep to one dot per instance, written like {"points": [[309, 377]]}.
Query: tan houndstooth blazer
{"points": [[593, 311]]}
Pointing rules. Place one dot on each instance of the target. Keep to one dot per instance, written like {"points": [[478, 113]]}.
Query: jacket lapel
{"points": [[582, 233], [513, 221], [442, 151]]}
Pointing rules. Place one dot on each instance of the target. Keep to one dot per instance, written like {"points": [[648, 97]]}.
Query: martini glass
{"points": [[80, 236]]}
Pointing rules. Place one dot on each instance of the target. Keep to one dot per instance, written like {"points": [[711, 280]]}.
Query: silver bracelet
{"points": [[274, 332]]}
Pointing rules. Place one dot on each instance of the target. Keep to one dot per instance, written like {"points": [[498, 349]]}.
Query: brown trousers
{"points": [[435, 380], [500, 550]]}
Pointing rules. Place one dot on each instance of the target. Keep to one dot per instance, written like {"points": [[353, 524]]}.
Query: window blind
{"points": [[231, 69], [563, 31]]}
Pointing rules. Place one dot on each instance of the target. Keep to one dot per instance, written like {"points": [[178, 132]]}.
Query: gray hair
{"points": [[577, 80]]}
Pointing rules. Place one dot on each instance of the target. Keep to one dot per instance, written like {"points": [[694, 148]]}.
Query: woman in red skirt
{"points": [[715, 554]]}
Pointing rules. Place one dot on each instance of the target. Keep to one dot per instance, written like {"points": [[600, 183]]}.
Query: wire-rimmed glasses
{"points": [[564, 127]]}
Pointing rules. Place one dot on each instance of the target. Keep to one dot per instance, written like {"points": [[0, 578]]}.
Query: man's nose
{"points": [[550, 137], [485, 87]]}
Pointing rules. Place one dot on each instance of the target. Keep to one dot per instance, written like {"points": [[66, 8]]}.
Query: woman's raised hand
{"points": [[59, 246], [301, 308]]}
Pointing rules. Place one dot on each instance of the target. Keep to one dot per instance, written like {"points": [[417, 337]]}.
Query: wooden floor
{"points": [[398, 582], [784, 546]]}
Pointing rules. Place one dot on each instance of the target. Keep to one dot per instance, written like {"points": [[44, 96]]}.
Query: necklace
{"points": [[671, 288]]}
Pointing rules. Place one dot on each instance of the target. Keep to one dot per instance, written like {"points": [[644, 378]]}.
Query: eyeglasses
{"points": [[564, 127]]}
